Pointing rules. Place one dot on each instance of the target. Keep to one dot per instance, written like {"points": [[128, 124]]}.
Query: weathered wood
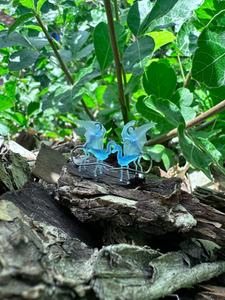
{"points": [[14, 169], [48, 165], [154, 207], [35, 202]]}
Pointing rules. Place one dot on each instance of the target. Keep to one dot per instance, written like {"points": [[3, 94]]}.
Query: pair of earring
{"points": [[133, 142]]}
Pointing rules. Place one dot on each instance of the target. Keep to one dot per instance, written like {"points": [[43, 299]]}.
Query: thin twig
{"points": [[187, 80], [116, 56], [181, 68], [62, 64], [209, 113]]}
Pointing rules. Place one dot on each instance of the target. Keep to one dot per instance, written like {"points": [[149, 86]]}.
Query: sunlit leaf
{"points": [[165, 107], [192, 153], [209, 58], [138, 54], [159, 80]]}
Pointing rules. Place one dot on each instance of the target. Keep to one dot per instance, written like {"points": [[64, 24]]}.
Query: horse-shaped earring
{"points": [[94, 134], [133, 142]]}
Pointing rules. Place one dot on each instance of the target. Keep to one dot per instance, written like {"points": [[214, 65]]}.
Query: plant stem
{"points": [[63, 66], [209, 113], [181, 68], [116, 56], [187, 80], [127, 101]]}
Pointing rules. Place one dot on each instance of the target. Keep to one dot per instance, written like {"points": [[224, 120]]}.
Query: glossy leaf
{"points": [[87, 74], [165, 107], [39, 4], [168, 158], [19, 21], [159, 80], [38, 42], [27, 3], [207, 11], [180, 13], [67, 100], [151, 115], [155, 152], [182, 97], [22, 59], [4, 129], [217, 94], [10, 88], [85, 51], [192, 153], [138, 54], [76, 40], [187, 112], [132, 84], [161, 38], [187, 39], [5, 102], [143, 13], [102, 43], [209, 58], [137, 15]]}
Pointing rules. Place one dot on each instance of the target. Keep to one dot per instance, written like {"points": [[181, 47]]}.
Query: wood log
{"points": [[154, 207]]}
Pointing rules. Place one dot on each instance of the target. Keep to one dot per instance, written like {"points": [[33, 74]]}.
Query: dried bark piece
{"points": [[131, 272], [14, 170], [35, 202], [49, 164], [211, 293]]}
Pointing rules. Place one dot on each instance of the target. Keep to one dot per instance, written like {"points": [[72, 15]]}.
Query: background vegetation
{"points": [[115, 61]]}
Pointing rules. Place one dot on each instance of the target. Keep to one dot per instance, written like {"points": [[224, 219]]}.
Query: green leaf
{"points": [[10, 88], [102, 43], [187, 112], [138, 54], [143, 13], [39, 4], [76, 40], [4, 129], [110, 96], [168, 159], [217, 94], [66, 55], [161, 38], [87, 74], [14, 39], [182, 97], [38, 42], [155, 152], [27, 3], [35, 27], [22, 59], [85, 51], [67, 100], [215, 154], [192, 153], [132, 84], [207, 11], [180, 13], [19, 21], [5, 102], [159, 80], [166, 108], [137, 15], [209, 58], [187, 39]]}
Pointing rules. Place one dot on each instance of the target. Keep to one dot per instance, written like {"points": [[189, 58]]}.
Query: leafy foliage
{"points": [[58, 65]]}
